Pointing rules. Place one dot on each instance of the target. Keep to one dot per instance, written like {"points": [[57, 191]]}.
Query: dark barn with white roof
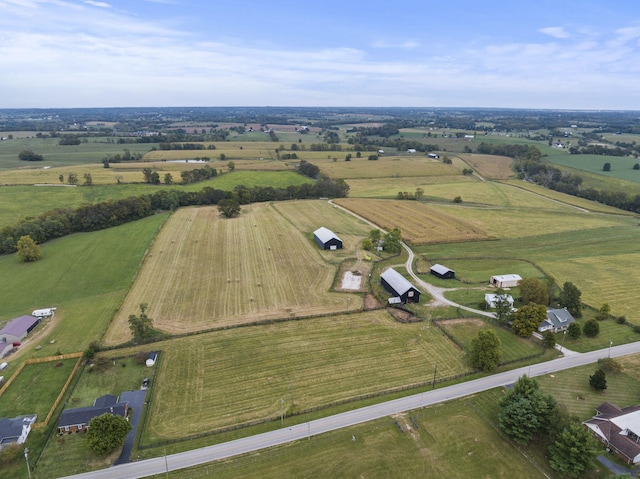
{"points": [[327, 239], [442, 272], [398, 286]]}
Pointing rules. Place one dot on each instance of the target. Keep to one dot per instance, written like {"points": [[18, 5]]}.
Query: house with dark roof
{"points": [[618, 429], [442, 272], [78, 419], [399, 287], [15, 331], [557, 320], [15, 430], [327, 239]]}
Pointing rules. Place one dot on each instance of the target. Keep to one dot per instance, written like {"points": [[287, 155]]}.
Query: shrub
{"points": [[574, 330], [621, 319], [591, 328]]}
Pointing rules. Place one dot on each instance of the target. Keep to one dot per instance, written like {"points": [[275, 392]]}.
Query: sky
{"points": [[406, 53]]}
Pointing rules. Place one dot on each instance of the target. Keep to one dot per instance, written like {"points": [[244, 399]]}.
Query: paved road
{"points": [[303, 431]]}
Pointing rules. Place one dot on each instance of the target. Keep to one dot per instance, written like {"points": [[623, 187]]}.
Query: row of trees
{"points": [[62, 221]]}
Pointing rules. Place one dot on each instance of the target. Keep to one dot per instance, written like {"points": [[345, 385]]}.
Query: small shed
{"points": [[43, 313], [327, 239], [151, 358], [442, 272], [398, 286], [505, 280], [491, 299]]}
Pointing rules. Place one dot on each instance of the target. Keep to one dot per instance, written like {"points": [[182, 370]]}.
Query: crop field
{"points": [[621, 167], [490, 166], [594, 259], [205, 272], [452, 440], [418, 222], [388, 188], [295, 365], [513, 347], [46, 378], [85, 275], [384, 167]]}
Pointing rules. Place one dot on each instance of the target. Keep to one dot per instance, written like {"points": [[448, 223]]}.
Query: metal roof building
{"points": [[399, 286], [327, 239]]}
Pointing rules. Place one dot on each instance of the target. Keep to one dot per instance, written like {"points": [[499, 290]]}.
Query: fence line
{"points": [[35, 361], [64, 390]]}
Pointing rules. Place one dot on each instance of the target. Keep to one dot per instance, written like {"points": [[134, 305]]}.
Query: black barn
{"points": [[327, 239], [398, 286], [442, 272]]}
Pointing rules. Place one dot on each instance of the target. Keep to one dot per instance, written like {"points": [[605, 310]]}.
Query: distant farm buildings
{"points": [[15, 331], [433, 155], [327, 239], [398, 286], [442, 272], [505, 280]]}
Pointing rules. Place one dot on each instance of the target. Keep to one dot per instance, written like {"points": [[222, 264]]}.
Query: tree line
{"points": [[63, 221]]}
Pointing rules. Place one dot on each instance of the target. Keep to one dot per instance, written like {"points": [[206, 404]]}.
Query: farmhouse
{"points": [[505, 280], [15, 331], [15, 430], [618, 429], [557, 320], [491, 299], [399, 287], [442, 272], [78, 419], [327, 239]]}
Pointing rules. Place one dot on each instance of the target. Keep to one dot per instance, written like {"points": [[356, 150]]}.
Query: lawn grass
{"points": [[513, 347], [85, 275], [36, 388], [308, 364], [451, 441], [266, 269]]}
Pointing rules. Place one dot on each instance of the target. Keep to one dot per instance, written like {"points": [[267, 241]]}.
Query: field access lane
{"points": [[303, 431]]}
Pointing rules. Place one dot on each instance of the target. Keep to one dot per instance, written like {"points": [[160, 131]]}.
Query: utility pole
{"points": [[435, 370], [26, 457]]}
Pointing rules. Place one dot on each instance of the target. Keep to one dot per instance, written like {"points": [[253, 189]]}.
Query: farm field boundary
{"points": [[64, 388]]}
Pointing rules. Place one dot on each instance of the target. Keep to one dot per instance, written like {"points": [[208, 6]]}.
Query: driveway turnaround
{"points": [[203, 455], [136, 402]]}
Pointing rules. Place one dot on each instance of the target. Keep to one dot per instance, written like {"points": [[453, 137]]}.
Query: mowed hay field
{"points": [[205, 271], [490, 166], [383, 167], [418, 222], [239, 375]]}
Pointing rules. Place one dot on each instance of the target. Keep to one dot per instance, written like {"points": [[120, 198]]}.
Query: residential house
{"points": [[618, 429]]}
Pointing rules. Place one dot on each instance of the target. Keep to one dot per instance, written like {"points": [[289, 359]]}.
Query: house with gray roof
{"points": [[557, 320], [618, 429], [78, 419], [15, 430], [399, 287]]}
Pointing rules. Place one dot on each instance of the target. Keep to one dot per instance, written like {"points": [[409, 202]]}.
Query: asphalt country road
{"points": [[306, 430]]}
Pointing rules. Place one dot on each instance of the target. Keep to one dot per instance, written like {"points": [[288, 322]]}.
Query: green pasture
{"points": [[478, 271], [594, 259], [19, 202], [93, 151], [452, 440], [289, 367], [580, 203], [571, 389], [36, 388], [86, 276], [621, 166], [513, 347], [603, 182]]}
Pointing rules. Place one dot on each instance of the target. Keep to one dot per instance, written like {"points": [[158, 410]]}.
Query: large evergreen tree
{"points": [[485, 351], [570, 299], [573, 451], [106, 433]]}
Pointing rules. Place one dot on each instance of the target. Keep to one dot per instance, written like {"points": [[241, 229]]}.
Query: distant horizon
{"points": [[543, 55]]}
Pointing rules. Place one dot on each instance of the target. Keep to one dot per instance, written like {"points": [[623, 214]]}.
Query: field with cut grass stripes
{"points": [[205, 272], [240, 375]]}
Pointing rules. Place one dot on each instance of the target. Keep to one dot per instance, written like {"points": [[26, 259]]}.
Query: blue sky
{"points": [[493, 53]]}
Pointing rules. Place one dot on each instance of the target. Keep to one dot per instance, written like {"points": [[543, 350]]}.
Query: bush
{"points": [[574, 330], [591, 328], [621, 319]]}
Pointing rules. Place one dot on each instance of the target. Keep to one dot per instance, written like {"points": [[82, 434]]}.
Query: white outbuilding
{"points": [[505, 280]]}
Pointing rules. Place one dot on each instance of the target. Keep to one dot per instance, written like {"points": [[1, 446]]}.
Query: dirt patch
{"points": [[403, 316], [351, 280], [370, 302]]}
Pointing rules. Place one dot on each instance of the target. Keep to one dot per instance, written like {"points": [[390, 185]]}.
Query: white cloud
{"points": [[408, 44], [555, 32], [97, 4]]}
